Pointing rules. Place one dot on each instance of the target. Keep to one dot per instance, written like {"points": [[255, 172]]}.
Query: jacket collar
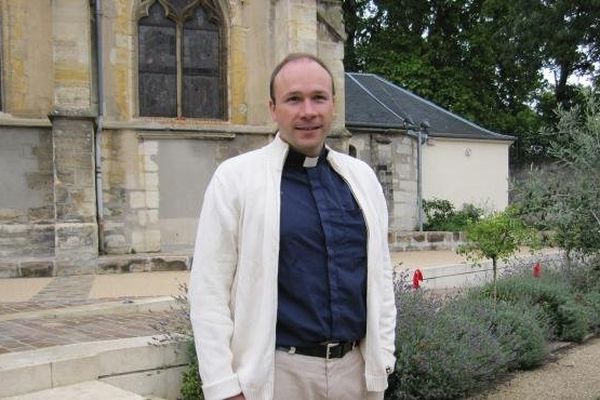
{"points": [[278, 150]]}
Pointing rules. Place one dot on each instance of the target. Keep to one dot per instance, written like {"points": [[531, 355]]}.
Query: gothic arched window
{"points": [[181, 59]]}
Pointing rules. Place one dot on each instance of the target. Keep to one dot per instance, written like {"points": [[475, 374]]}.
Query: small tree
{"points": [[496, 237], [565, 196]]}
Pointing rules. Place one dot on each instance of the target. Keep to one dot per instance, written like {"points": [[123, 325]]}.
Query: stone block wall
{"points": [[26, 192], [415, 240], [76, 229], [393, 159], [154, 170]]}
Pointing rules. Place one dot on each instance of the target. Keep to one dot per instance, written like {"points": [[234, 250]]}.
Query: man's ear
{"points": [[272, 110]]}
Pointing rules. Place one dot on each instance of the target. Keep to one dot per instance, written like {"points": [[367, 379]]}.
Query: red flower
{"points": [[417, 277], [537, 270]]}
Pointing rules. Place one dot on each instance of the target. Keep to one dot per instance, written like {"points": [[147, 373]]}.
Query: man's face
{"points": [[304, 105]]}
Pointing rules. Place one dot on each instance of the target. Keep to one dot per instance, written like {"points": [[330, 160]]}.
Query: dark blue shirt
{"points": [[322, 257]]}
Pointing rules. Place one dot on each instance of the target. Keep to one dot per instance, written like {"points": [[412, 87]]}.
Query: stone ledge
{"points": [[27, 267], [142, 263], [425, 240], [8, 120], [37, 267]]}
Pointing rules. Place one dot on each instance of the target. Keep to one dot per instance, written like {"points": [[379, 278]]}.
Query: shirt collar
{"points": [[296, 159]]}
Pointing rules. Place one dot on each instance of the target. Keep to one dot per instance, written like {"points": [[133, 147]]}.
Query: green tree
{"points": [[496, 237], [565, 197], [481, 59], [569, 31]]}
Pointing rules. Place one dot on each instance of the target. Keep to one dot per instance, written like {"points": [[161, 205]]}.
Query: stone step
{"points": [[152, 304], [134, 364], [90, 390]]}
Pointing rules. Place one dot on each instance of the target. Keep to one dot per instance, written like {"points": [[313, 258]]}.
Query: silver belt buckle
{"points": [[328, 347]]}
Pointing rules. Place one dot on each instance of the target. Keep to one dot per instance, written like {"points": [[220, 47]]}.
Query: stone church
{"points": [[115, 113]]}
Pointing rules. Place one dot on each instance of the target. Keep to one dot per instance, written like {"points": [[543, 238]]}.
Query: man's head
{"points": [[302, 102]]}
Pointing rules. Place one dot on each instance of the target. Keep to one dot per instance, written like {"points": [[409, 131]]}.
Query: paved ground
{"points": [[570, 375], [43, 312], [28, 308]]}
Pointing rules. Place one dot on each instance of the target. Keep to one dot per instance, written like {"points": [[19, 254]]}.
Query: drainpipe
{"points": [[99, 122], [421, 139]]}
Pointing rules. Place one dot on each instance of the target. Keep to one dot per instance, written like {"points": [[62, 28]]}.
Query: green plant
{"points": [[496, 237], [573, 321], [565, 197], [191, 388], [527, 329], [440, 215], [554, 298], [443, 351], [176, 327], [591, 304]]}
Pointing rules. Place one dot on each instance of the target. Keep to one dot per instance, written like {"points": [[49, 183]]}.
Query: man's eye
{"points": [[293, 99]]}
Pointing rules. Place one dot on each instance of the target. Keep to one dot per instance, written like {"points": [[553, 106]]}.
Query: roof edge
{"points": [[493, 135]]}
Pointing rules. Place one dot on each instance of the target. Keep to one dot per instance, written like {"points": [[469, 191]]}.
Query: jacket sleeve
{"points": [[388, 303], [213, 271]]}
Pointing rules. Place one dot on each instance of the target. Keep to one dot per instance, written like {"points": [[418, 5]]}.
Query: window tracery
{"points": [[181, 63]]}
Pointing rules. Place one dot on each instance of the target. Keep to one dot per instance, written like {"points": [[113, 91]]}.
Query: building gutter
{"points": [[98, 48]]}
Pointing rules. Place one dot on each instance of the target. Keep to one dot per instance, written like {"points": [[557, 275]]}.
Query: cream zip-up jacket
{"points": [[233, 285]]}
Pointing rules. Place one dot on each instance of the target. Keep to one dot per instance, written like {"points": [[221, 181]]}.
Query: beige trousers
{"points": [[299, 377]]}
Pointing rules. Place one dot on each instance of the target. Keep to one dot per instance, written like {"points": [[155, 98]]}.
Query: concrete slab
{"points": [[165, 283], [32, 371], [164, 383], [92, 390], [21, 289]]}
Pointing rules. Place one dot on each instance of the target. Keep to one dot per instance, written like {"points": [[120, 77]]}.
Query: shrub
{"points": [[177, 327], [527, 329], [440, 215], [567, 198], [520, 328], [552, 296], [442, 353], [584, 275], [191, 388], [591, 304], [573, 321]]}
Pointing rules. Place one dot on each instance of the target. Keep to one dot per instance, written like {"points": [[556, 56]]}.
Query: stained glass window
{"points": [[185, 83]]}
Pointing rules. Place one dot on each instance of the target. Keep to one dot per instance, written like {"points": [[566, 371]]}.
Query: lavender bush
{"points": [[444, 352], [552, 295]]}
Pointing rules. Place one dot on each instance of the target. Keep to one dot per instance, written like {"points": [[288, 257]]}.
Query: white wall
{"points": [[466, 171]]}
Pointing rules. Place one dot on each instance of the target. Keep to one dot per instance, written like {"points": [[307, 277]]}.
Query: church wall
{"points": [[393, 158], [154, 170]]}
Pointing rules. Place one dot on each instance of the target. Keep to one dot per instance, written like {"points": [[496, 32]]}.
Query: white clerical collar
{"points": [[296, 159], [310, 162]]}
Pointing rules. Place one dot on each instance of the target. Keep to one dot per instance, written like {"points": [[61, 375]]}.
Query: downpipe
{"points": [[98, 48]]}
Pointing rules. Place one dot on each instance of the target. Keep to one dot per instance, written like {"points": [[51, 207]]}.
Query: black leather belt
{"points": [[323, 350]]}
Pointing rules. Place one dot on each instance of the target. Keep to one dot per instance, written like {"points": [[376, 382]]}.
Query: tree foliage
{"points": [[496, 237], [565, 198], [481, 59]]}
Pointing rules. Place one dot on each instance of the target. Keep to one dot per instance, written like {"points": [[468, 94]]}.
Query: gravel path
{"points": [[572, 374]]}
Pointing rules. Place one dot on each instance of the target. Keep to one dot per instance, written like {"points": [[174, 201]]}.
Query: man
{"points": [[291, 288]]}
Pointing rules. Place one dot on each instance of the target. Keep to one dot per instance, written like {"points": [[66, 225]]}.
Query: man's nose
{"points": [[308, 108]]}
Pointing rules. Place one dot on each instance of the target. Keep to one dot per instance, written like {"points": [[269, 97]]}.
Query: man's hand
{"points": [[238, 397]]}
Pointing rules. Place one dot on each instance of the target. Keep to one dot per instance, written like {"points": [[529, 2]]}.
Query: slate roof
{"points": [[373, 102]]}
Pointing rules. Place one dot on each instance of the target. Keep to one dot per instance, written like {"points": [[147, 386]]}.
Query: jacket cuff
{"points": [[222, 389], [390, 363]]}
